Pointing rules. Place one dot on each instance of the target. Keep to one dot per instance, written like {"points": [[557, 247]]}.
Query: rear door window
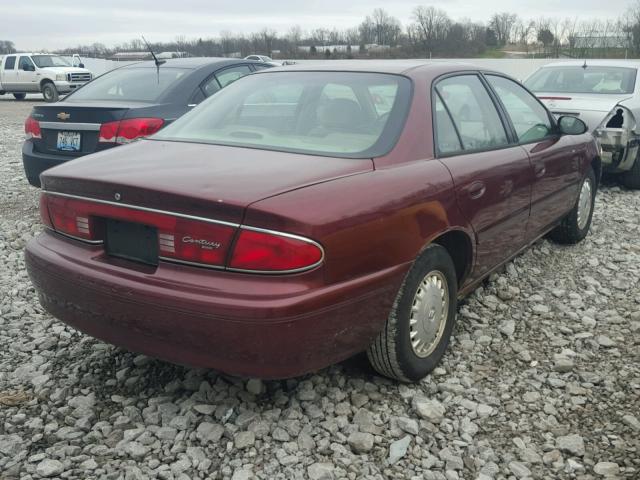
{"points": [[10, 63], [231, 74], [529, 118], [447, 139], [210, 86], [473, 112]]}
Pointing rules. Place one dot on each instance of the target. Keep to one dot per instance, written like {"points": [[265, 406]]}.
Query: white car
{"points": [[40, 72], [605, 94], [264, 59]]}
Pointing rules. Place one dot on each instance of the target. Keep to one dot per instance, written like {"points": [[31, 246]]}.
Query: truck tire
{"points": [[19, 96], [631, 178], [49, 92]]}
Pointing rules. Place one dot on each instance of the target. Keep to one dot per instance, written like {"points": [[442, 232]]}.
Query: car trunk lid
{"points": [[210, 181], [77, 120]]}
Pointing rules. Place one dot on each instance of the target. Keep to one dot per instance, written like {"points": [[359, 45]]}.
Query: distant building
{"points": [[330, 48]]}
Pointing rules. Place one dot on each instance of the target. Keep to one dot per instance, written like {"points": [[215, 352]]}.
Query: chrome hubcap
{"points": [[584, 204], [429, 314]]}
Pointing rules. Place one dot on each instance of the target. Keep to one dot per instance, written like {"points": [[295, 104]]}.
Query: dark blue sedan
{"points": [[121, 106]]}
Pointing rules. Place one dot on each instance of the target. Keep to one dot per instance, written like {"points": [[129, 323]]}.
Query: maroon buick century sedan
{"points": [[303, 215]]}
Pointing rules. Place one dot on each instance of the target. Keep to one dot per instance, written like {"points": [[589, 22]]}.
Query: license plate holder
{"points": [[132, 241], [69, 141]]}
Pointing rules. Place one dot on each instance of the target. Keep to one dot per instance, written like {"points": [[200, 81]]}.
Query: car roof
{"points": [[191, 63], [379, 66], [594, 63]]}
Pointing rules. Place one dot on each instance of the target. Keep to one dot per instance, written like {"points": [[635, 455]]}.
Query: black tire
{"points": [[569, 231], [391, 354], [49, 92], [631, 178], [19, 96]]}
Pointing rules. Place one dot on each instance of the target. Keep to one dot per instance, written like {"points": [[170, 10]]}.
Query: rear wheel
{"points": [[419, 327], [49, 92], [19, 96], [576, 224], [631, 178]]}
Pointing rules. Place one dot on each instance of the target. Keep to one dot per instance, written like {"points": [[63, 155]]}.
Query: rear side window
{"points": [[473, 112], [529, 118], [210, 86], [228, 75], [9, 63], [447, 139]]}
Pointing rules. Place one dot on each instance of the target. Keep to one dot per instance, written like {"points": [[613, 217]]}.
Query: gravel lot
{"points": [[542, 380]]}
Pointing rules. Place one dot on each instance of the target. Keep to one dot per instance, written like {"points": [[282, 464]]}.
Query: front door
{"points": [[26, 74], [554, 158], [491, 174]]}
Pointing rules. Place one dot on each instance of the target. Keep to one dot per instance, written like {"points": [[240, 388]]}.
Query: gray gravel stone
{"points": [[49, 468], [573, 444], [360, 442]]}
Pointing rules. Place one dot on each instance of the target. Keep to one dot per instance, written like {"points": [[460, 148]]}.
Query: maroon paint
{"points": [[373, 217]]}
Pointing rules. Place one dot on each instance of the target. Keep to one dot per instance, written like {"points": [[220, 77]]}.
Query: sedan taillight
{"points": [[32, 128], [125, 131], [274, 252], [183, 238]]}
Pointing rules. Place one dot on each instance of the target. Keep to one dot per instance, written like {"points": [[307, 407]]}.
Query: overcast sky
{"points": [[48, 25]]}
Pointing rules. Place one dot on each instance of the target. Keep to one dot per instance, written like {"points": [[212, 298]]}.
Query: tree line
{"points": [[431, 32]]}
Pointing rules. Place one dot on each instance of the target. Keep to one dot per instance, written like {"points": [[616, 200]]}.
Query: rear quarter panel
{"points": [[367, 222]]}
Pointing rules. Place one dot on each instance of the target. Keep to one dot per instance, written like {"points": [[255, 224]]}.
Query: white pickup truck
{"points": [[50, 75]]}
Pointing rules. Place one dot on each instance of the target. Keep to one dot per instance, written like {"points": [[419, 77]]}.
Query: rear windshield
{"points": [[348, 114], [135, 84], [577, 79]]}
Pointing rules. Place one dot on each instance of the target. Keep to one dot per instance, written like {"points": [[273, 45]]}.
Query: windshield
{"points": [[577, 79], [135, 84], [349, 114], [43, 61]]}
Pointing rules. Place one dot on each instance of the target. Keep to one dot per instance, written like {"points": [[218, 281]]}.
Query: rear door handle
{"points": [[476, 190], [539, 169]]}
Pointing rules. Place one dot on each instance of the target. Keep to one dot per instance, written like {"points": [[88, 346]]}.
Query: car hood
{"points": [[591, 108], [198, 179], [66, 69]]}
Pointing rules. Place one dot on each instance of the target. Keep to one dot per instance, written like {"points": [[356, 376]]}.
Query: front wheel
{"points": [[419, 327], [575, 226], [49, 92], [19, 96]]}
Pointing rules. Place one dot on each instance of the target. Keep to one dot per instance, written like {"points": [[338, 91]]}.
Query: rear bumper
{"points": [[249, 325], [35, 162]]}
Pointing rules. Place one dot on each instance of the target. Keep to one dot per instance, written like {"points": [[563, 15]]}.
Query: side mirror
{"points": [[81, 65], [570, 125], [28, 68]]}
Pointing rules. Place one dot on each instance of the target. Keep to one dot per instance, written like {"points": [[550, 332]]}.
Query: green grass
{"points": [[492, 53]]}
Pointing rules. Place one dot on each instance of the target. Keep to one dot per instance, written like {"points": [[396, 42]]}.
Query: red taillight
{"points": [[32, 128], [125, 131], [272, 252], [184, 238], [108, 132], [44, 211], [69, 216]]}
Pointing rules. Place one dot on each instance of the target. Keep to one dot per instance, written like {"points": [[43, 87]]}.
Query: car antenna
{"points": [[155, 59], [584, 65]]}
